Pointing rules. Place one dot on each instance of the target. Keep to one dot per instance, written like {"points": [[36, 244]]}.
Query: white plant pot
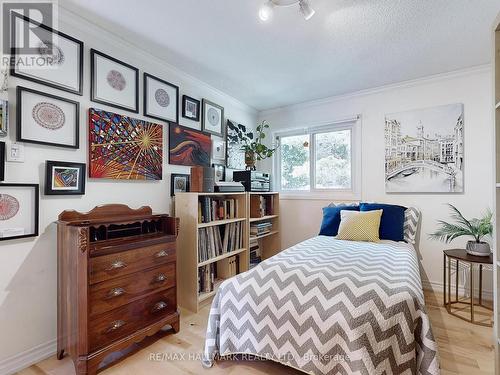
{"points": [[481, 249]]}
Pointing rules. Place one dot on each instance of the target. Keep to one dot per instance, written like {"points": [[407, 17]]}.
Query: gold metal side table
{"points": [[460, 256]]}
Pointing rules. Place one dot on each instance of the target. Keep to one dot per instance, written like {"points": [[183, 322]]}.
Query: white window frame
{"points": [[354, 193]]}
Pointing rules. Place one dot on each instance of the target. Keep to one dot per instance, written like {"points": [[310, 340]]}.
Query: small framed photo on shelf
{"points": [[18, 211], [4, 117], [190, 108], [58, 56], [47, 119], [212, 118], [113, 82], [64, 178], [220, 172], [161, 99], [179, 183]]}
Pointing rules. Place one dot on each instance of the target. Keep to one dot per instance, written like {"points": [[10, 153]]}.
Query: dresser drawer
{"points": [[107, 267], [110, 294], [127, 319]]}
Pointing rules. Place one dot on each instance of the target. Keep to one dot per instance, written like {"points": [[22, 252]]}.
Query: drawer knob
{"points": [[117, 324], [161, 254], [161, 277], [116, 265], [159, 306], [115, 292]]}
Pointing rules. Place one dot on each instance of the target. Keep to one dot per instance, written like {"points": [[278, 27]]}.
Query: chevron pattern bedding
{"points": [[327, 306]]}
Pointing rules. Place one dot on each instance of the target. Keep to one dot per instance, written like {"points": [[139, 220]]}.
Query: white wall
{"points": [[28, 267], [301, 219]]}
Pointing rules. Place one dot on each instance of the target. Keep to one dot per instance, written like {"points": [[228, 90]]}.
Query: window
{"points": [[318, 160]]}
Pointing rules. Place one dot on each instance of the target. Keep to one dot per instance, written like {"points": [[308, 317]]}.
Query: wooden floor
{"points": [[464, 349]]}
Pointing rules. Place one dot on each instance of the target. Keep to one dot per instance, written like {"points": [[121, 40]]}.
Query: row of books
{"points": [[206, 278], [260, 228], [210, 209], [261, 205], [255, 253], [218, 240]]}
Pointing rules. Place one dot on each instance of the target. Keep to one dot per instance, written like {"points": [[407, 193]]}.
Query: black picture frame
{"points": [[2, 161], [93, 83], [186, 98], [50, 164], [173, 176], [204, 104], [14, 53], [36, 204], [146, 77], [19, 122], [219, 168]]}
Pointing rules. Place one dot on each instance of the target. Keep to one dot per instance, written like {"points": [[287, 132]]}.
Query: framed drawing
{"points": [[59, 56], [2, 161], [424, 150], [124, 148], [18, 211], [212, 118], [47, 119], [179, 183], [64, 178], [190, 108], [220, 172], [113, 82], [188, 146], [219, 149], [235, 156], [161, 99], [4, 117]]}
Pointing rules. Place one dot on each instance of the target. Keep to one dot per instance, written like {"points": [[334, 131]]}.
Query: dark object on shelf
{"points": [[460, 256], [253, 180], [63, 178], [202, 180], [116, 281]]}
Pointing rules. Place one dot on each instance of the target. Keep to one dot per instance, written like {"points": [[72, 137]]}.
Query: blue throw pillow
{"points": [[331, 219], [392, 221]]}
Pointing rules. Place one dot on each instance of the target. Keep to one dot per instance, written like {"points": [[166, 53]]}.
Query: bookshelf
{"points": [[192, 231]]}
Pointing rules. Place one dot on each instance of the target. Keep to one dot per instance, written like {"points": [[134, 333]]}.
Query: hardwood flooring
{"points": [[464, 349]]}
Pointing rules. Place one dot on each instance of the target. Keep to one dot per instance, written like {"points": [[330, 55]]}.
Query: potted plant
{"points": [[475, 228], [254, 148]]}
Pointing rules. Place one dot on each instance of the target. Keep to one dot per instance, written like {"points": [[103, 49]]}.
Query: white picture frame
{"points": [[212, 118]]}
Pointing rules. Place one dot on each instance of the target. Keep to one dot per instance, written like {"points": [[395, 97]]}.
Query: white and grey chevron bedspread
{"points": [[327, 306]]}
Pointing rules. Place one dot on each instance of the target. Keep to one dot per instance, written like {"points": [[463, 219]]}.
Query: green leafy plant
{"points": [[255, 146], [476, 228]]}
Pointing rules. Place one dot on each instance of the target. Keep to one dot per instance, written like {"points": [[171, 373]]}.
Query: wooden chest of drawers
{"points": [[116, 281]]}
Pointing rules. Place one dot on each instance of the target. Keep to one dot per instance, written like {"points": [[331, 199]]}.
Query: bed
{"points": [[326, 306]]}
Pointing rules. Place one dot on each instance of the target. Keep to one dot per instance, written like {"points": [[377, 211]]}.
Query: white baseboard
{"points": [[438, 287], [27, 358]]}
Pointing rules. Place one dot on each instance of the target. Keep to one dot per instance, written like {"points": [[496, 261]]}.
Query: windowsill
{"points": [[331, 196]]}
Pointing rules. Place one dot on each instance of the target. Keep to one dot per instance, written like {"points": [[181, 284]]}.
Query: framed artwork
{"points": [[113, 82], [2, 161], [424, 150], [235, 156], [212, 118], [4, 117], [179, 183], [220, 172], [47, 119], [161, 99], [64, 178], [190, 108], [58, 55], [18, 211], [218, 149], [188, 146], [124, 148]]}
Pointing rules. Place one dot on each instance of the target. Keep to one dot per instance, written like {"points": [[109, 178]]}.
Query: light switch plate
{"points": [[15, 152]]}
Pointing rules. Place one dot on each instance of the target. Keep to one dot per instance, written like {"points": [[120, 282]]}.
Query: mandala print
{"points": [[162, 98], [48, 115], [116, 80], [53, 53], [9, 206], [213, 117]]}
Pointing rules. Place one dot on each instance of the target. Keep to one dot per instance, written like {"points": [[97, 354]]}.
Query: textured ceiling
{"points": [[347, 46]]}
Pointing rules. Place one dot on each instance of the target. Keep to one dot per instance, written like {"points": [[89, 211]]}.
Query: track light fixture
{"points": [[267, 9]]}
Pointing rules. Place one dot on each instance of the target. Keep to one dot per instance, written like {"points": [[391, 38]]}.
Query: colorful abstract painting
{"points": [[65, 178], [125, 148], [188, 146]]}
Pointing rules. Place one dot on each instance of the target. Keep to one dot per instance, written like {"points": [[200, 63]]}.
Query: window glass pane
{"points": [[333, 160], [295, 162]]}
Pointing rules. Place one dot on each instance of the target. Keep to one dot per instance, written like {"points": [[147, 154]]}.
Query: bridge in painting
{"points": [[429, 164]]}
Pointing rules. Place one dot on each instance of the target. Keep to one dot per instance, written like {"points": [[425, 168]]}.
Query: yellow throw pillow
{"points": [[359, 226]]}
